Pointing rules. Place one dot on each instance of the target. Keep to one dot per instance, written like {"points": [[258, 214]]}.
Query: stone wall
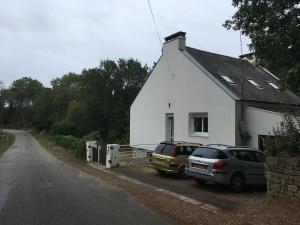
{"points": [[283, 177]]}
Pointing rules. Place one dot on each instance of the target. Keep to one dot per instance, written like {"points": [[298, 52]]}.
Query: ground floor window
{"points": [[198, 124]]}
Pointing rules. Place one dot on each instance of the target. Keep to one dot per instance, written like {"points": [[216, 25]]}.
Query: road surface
{"points": [[38, 189]]}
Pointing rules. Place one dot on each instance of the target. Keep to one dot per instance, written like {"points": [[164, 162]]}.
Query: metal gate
{"points": [[133, 154]]}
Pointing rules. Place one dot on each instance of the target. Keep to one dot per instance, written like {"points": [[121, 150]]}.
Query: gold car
{"points": [[171, 157]]}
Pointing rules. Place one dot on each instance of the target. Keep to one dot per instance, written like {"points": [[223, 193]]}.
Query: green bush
{"points": [[285, 140], [75, 145], [94, 136], [61, 128]]}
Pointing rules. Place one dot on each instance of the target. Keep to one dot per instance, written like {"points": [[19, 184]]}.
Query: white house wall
{"points": [[188, 90], [260, 122]]}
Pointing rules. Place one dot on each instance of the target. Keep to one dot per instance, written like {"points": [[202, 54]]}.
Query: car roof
{"points": [[230, 147], [181, 143]]}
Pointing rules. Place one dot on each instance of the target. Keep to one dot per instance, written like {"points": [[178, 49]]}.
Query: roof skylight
{"points": [[227, 79], [254, 83], [273, 85]]}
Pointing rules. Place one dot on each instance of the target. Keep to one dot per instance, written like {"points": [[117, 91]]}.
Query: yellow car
{"points": [[171, 157]]}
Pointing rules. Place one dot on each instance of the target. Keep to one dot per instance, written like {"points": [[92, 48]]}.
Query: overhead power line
{"points": [[157, 33], [156, 28]]}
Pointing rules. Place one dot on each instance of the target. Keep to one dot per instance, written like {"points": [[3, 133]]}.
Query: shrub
{"points": [[94, 136], [285, 140], [75, 145], [61, 127]]}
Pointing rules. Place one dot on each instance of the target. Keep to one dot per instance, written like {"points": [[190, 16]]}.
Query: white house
{"points": [[197, 96]]}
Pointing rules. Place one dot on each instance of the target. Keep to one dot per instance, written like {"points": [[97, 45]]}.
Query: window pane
{"points": [[259, 157], [205, 124], [190, 150], [244, 155], [198, 124], [209, 153], [159, 148], [180, 150], [168, 150]]}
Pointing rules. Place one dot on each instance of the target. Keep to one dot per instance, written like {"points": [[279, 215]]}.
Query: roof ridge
{"points": [[216, 54]]}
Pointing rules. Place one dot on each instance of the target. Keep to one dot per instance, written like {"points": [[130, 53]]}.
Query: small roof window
{"points": [[273, 85], [227, 78], [255, 84]]}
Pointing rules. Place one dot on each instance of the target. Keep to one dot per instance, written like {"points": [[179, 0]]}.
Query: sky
{"points": [[45, 39]]}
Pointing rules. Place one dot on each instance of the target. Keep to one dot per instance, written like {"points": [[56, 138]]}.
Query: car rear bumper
{"points": [[217, 177], [164, 168]]}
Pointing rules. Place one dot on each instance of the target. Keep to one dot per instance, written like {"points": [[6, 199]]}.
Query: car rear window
{"points": [[159, 148], [209, 153], [164, 149]]}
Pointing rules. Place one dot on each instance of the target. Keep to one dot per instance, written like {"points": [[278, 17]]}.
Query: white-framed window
{"points": [[198, 124], [273, 85], [255, 84], [227, 79]]}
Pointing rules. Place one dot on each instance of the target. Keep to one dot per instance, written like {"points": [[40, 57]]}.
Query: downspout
{"points": [[242, 102]]}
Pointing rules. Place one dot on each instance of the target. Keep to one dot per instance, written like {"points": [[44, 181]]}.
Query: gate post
{"points": [[112, 155]]}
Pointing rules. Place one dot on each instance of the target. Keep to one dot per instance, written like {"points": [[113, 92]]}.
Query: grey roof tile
{"points": [[240, 70]]}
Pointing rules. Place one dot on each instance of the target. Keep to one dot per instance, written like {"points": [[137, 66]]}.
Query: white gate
{"points": [[133, 154]]}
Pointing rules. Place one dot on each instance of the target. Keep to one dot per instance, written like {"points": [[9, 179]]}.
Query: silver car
{"points": [[232, 165]]}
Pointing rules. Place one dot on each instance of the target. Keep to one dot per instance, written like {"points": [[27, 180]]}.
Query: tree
{"points": [[64, 90], [274, 29], [96, 101], [22, 94], [42, 110], [286, 137]]}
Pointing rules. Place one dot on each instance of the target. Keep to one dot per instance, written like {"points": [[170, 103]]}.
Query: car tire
{"points": [[237, 183], [161, 172], [182, 172]]}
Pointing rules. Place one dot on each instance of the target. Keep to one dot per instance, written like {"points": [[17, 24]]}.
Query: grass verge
{"points": [[6, 140], [58, 151]]}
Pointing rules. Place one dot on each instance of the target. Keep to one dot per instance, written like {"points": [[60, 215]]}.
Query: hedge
{"points": [[75, 145]]}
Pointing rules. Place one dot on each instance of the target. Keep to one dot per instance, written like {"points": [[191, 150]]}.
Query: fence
{"points": [[133, 154]]}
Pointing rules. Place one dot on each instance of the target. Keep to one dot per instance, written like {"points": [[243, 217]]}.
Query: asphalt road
{"points": [[38, 189]]}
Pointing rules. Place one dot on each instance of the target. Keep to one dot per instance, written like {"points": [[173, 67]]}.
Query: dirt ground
{"points": [[251, 207]]}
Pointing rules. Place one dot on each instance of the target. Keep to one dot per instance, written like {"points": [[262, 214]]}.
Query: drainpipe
{"points": [[2, 111], [242, 102]]}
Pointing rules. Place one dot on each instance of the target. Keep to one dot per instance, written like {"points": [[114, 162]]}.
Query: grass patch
{"points": [[59, 152], [6, 140]]}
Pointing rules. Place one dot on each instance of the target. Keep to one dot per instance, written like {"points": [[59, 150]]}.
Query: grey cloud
{"points": [[48, 38]]}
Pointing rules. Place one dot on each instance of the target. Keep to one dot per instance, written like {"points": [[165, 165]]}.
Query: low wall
{"points": [[283, 177]]}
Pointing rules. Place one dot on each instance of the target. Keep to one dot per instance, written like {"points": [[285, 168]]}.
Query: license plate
{"points": [[199, 165]]}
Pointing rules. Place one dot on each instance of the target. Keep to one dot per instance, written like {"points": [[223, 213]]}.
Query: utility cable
{"points": [[157, 33]]}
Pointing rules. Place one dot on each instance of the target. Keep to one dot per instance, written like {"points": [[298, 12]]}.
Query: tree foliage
{"points": [[94, 103], [21, 97], [274, 29], [286, 137]]}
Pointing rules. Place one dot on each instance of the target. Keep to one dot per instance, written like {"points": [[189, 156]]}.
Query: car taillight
{"points": [[174, 151], [219, 165]]}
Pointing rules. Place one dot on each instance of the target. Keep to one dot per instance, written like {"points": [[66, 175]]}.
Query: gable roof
{"points": [[240, 71]]}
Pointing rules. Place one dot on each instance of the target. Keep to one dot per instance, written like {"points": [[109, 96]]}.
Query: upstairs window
{"points": [[227, 79], [255, 84], [273, 85]]}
